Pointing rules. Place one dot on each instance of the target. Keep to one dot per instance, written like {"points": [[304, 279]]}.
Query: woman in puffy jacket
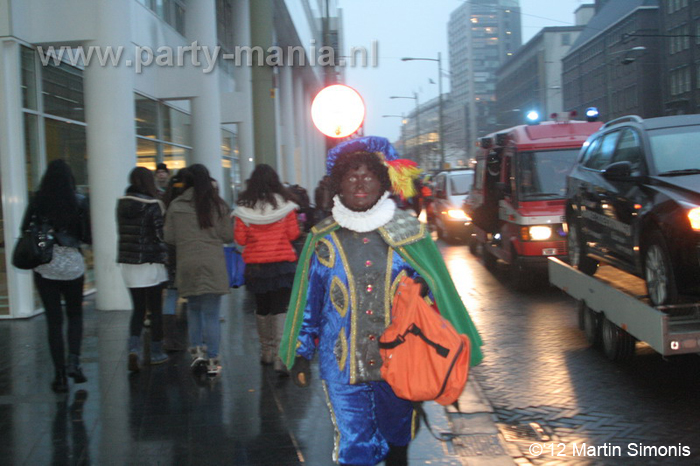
{"points": [[198, 225], [142, 255], [265, 225]]}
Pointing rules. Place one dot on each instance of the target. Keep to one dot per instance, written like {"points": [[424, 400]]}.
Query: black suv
{"points": [[633, 201]]}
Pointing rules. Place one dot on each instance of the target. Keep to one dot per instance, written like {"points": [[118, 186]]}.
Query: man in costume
{"points": [[341, 301]]}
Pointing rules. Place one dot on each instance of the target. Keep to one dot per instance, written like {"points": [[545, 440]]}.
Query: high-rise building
{"points": [[482, 35]]}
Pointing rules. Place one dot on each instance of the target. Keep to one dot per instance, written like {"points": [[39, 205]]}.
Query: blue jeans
{"points": [[203, 322]]}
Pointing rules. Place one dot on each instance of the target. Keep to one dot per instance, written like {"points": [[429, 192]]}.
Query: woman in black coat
{"points": [[58, 204]]}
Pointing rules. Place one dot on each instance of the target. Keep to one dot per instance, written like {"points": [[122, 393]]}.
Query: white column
{"points": [[206, 107], [244, 76], [111, 144], [288, 166], [12, 166]]}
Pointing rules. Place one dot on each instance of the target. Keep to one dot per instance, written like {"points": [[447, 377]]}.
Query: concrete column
{"points": [[264, 125], [288, 171], [111, 145], [14, 179], [246, 138], [206, 107]]}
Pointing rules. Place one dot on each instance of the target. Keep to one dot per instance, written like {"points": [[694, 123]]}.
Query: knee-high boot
{"points": [[264, 324], [278, 329]]}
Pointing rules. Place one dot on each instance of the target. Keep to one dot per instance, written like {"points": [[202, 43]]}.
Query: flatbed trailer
{"points": [[614, 312]]}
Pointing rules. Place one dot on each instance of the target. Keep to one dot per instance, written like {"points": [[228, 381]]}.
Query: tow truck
{"points": [[518, 199], [615, 312]]}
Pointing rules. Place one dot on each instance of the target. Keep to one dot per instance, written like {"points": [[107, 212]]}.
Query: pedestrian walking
{"points": [[171, 336], [265, 225], [142, 256], [342, 295], [197, 223], [67, 212]]}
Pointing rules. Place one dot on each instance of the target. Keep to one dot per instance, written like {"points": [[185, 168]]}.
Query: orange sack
{"points": [[423, 356]]}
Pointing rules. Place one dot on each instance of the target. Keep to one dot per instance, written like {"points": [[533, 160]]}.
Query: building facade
{"points": [[531, 79], [482, 35], [615, 64], [111, 84]]}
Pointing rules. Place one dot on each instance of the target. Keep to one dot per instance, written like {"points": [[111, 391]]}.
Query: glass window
{"points": [[629, 149], [461, 184], [175, 157], [68, 142], [146, 153], [146, 117], [669, 148], [600, 155], [63, 92], [543, 174], [176, 126], [31, 151], [29, 99]]}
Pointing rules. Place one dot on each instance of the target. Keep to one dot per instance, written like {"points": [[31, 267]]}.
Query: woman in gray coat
{"points": [[198, 224]]}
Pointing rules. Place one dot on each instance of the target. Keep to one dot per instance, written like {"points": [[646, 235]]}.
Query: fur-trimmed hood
{"points": [[264, 214]]}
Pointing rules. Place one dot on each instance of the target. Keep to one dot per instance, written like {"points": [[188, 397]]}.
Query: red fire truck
{"points": [[517, 201]]}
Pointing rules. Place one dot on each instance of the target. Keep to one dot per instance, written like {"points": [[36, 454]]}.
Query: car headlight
{"points": [[458, 214], [694, 217], [536, 233]]}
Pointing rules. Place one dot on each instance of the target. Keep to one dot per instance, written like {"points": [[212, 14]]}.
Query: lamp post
{"points": [[403, 123], [439, 63], [418, 150]]}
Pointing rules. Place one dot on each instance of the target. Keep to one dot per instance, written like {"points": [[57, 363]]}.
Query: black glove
{"points": [[424, 289], [301, 372]]}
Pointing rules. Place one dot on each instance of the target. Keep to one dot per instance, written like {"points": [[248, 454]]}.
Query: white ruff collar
{"points": [[377, 216]]}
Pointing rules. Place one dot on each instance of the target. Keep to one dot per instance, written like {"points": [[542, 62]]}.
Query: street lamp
{"points": [[439, 62], [403, 123], [418, 151]]}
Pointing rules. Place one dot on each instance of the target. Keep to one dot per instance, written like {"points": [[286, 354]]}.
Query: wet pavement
{"points": [[164, 415]]}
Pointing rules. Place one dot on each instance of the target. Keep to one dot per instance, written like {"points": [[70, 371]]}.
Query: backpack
{"points": [[423, 356]]}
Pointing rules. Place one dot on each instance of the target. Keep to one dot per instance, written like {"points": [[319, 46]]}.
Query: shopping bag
{"points": [[235, 267]]}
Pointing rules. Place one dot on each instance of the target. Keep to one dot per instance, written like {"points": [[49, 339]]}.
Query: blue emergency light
{"points": [[532, 117], [592, 114]]}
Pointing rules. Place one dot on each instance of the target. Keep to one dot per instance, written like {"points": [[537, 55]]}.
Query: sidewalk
{"points": [[165, 416]]}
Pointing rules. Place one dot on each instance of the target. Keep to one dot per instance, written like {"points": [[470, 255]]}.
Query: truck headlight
{"points": [[540, 233], [694, 217], [458, 214]]}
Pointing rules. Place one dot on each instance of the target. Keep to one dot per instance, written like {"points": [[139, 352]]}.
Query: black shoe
{"points": [[60, 382], [73, 370], [76, 373]]}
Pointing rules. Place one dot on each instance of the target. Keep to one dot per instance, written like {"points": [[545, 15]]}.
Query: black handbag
{"points": [[35, 246]]}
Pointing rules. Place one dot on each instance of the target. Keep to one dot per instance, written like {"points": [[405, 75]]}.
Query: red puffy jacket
{"points": [[270, 242]]}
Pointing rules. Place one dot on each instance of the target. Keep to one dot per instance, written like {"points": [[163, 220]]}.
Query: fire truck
{"points": [[518, 197]]}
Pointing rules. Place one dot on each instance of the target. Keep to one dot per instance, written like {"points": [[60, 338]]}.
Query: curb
{"points": [[477, 439]]}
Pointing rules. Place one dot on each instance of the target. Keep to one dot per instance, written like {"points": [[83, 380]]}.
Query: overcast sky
{"points": [[417, 28]]}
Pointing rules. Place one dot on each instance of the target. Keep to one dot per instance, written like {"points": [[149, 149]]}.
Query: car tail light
{"points": [[694, 217]]}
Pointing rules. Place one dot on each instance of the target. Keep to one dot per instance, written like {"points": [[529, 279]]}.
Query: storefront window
{"points": [[163, 134], [67, 141], [31, 151], [175, 157]]}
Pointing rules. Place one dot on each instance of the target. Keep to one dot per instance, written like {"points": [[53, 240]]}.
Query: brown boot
{"points": [[171, 336], [278, 329], [266, 337]]}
